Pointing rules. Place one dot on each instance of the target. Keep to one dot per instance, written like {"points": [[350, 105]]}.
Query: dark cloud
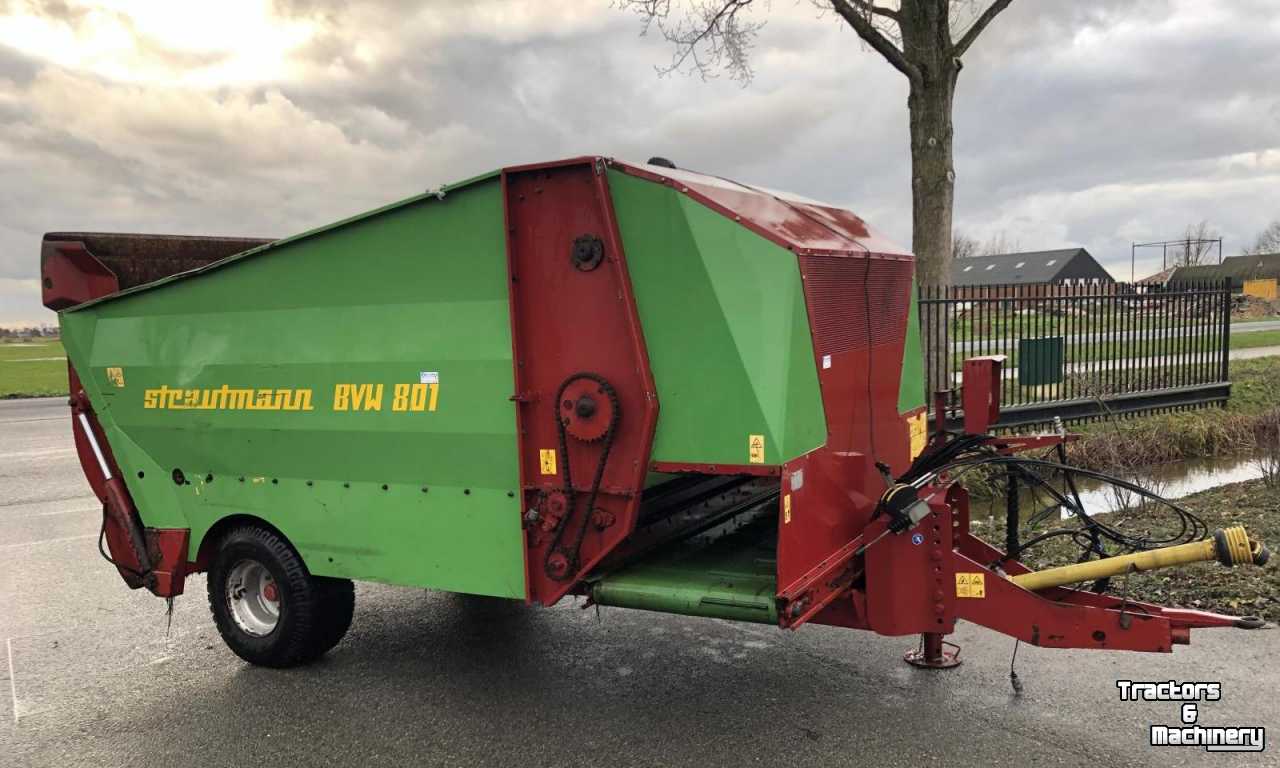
{"points": [[1077, 123]]}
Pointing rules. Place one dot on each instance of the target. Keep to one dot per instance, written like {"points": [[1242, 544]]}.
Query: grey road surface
{"points": [[90, 676]]}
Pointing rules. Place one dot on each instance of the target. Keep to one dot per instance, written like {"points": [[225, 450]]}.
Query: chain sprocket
{"points": [[562, 559]]}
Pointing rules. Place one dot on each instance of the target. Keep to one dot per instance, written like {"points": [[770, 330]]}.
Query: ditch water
{"points": [[1172, 481]]}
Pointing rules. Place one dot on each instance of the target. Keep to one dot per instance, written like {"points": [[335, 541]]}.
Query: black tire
{"points": [[337, 607], [311, 614]]}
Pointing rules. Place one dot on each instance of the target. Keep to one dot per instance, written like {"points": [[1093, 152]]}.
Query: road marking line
{"points": [[13, 685], [60, 512], [46, 452], [37, 500], [49, 541]]}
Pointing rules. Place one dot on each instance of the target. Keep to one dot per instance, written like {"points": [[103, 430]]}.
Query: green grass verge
{"points": [[1198, 434], [1255, 339], [26, 369]]}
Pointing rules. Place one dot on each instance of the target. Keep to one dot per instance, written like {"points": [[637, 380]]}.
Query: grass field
{"points": [[32, 369]]}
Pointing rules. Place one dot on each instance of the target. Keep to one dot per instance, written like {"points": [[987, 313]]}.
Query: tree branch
{"points": [[979, 24], [869, 6], [710, 34], [856, 18]]}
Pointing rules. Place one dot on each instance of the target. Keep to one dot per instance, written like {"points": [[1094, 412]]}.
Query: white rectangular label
{"points": [[826, 362], [429, 377]]}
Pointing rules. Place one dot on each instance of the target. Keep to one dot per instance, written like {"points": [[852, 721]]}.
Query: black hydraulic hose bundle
{"points": [[963, 453]]}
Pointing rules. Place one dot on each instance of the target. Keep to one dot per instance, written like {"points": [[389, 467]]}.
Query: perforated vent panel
{"points": [[840, 289]]}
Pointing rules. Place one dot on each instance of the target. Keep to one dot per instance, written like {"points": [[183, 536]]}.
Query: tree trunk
{"points": [[926, 40], [932, 180]]}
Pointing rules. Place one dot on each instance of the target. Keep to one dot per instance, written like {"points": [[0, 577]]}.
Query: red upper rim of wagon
{"points": [[805, 226]]}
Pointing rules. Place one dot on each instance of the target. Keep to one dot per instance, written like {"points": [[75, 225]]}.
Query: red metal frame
{"points": [[70, 275], [981, 396], [151, 558], [759, 470], [566, 321]]}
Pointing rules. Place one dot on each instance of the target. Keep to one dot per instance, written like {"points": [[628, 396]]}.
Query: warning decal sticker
{"points": [[919, 433], [971, 585], [547, 460], [755, 449]]}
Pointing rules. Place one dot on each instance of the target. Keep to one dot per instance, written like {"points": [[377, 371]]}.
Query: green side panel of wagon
{"points": [[411, 298], [726, 329], [911, 388]]}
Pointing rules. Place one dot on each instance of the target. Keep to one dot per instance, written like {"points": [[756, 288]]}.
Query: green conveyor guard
{"points": [[726, 576]]}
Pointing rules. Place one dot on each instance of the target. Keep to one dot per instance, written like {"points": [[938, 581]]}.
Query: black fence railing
{"points": [[1081, 351]]}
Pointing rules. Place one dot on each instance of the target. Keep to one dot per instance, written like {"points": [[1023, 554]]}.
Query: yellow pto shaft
{"points": [[1229, 547]]}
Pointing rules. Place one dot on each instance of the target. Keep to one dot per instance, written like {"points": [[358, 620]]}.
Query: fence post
{"points": [[1226, 329]]}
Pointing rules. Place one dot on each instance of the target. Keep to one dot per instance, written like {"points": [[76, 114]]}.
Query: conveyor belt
{"points": [[728, 572]]}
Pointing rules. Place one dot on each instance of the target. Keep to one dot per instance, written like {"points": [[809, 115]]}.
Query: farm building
{"points": [[1066, 266], [1240, 269]]}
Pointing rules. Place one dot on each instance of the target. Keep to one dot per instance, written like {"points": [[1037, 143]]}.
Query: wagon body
{"points": [[655, 388]]}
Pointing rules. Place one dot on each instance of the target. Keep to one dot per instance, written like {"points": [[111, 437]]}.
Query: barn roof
{"points": [[1238, 268], [1030, 267]]}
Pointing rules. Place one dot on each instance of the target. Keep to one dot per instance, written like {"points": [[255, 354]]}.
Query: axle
{"points": [[1229, 547]]}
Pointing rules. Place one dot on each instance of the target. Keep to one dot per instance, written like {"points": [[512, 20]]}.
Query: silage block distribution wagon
{"points": [[653, 388]]}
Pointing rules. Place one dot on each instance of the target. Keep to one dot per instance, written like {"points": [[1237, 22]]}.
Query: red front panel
{"points": [[858, 309], [586, 402]]}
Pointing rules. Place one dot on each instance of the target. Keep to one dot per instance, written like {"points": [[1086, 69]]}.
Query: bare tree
{"points": [[1268, 240], [923, 39], [999, 243], [1195, 247], [963, 246]]}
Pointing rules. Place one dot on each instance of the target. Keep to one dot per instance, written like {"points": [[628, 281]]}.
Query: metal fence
{"points": [[1082, 351]]}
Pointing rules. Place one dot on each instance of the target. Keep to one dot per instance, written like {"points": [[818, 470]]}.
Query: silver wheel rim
{"points": [[253, 598]]}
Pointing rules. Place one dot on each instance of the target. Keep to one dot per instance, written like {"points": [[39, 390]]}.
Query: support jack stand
{"points": [[931, 653]]}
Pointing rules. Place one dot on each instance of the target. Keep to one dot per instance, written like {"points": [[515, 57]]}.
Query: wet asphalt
{"points": [[90, 674]]}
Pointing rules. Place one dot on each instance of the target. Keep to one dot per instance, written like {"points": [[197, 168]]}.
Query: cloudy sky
{"points": [[1091, 124]]}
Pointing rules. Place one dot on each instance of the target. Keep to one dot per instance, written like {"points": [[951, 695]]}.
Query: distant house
{"points": [[1159, 278], [1067, 266], [1238, 269]]}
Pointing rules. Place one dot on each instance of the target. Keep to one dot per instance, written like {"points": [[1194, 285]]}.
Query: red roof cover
{"points": [[805, 226]]}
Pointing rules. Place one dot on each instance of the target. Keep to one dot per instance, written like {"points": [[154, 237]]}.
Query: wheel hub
{"points": [[253, 598]]}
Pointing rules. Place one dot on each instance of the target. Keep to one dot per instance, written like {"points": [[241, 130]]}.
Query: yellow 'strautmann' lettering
{"points": [[226, 398]]}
